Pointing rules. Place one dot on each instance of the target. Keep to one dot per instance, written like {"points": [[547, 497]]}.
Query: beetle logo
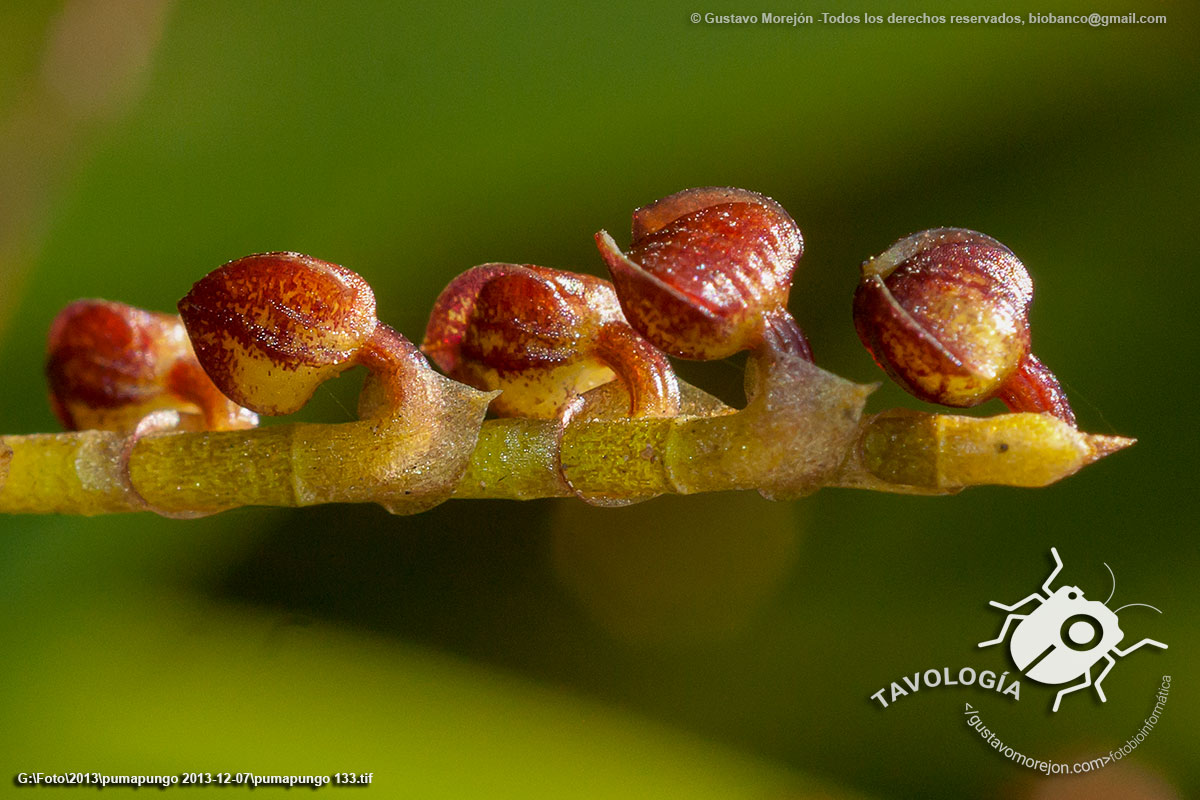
{"points": [[1065, 636]]}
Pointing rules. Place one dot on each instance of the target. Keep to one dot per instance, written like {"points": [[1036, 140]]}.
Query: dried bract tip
{"points": [[109, 365], [708, 273], [544, 337], [946, 313], [270, 328]]}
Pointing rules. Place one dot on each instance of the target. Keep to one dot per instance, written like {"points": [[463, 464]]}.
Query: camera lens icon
{"points": [[1081, 632], [1065, 636]]}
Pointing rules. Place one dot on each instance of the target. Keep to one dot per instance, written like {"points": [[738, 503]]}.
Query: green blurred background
{"points": [[713, 646]]}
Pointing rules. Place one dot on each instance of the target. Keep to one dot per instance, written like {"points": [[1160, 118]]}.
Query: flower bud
{"points": [[946, 313], [544, 337], [109, 365], [270, 328], [708, 274]]}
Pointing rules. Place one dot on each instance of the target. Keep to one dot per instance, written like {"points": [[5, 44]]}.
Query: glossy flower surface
{"points": [[270, 328], [110, 364], [544, 337], [708, 272], [946, 313]]}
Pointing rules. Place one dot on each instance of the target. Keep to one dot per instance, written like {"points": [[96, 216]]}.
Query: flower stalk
{"points": [[578, 367], [819, 440]]}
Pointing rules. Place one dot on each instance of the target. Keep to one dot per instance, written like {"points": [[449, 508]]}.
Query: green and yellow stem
{"points": [[913, 452], [786, 443]]}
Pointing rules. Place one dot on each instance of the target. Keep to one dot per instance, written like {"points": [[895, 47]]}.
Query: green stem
{"points": [[805, 433]]}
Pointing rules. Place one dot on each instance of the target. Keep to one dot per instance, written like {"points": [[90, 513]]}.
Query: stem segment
{"points": [[803, 433]]}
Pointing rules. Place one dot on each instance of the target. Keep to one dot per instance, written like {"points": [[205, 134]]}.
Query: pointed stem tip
{"points": [[912, 451], [1102, 445]]}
